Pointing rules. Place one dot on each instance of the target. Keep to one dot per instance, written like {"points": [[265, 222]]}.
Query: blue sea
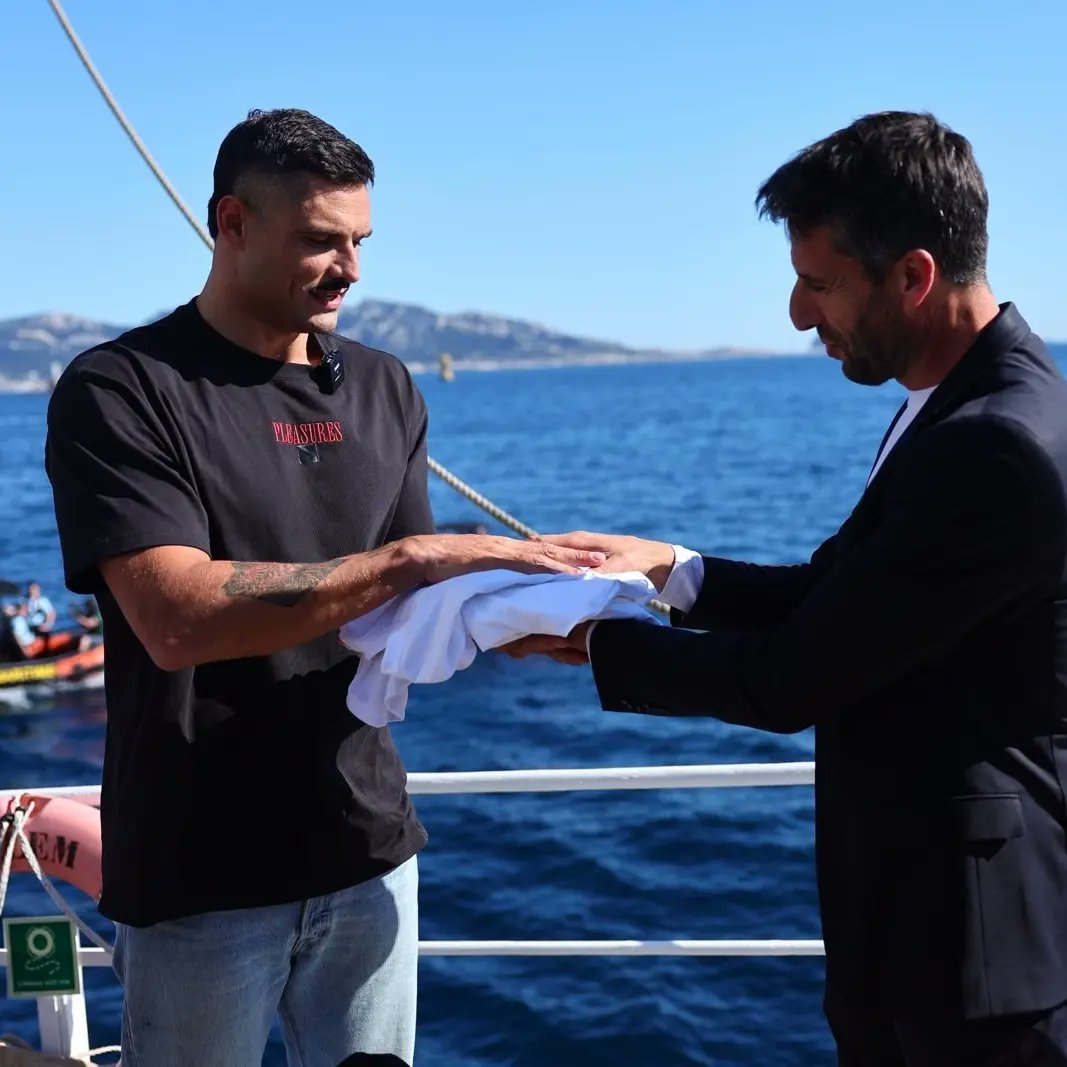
{"points": [[754, 458]]}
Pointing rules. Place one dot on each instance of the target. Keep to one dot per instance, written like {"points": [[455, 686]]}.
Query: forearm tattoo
{"points": [[284, 584]]}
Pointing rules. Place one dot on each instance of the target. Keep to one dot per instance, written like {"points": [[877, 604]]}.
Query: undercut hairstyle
{"points": [[890, 183], [285, 144]]}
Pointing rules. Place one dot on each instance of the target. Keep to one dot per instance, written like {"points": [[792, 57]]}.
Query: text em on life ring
{"points": [[65, 836]]}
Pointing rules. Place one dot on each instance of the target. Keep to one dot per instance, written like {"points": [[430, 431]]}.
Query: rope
{"points": [[484, 503], [442, 472], [9, 855], [500, 514], [17, 831], [102, 1051], [124, 122], [12, 1041]]}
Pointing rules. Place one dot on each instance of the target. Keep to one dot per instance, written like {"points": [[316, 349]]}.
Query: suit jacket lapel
{"points": [[1000, 336]]}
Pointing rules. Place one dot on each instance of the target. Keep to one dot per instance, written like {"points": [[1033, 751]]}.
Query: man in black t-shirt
{"points": [[234, 482]]}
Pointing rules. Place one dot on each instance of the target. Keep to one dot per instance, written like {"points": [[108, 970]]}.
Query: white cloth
{"points": [[432, 632], [916, 399]]}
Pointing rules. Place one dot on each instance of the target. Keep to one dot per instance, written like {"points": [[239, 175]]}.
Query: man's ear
{"points": [[231, 218], [915, 274]]}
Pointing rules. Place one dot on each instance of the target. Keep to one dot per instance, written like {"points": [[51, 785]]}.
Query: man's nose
{"points": [[348, 263], [802, 309]]}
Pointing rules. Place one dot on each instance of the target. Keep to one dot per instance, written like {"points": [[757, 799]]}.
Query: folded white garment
{"points": [[432, 632]]}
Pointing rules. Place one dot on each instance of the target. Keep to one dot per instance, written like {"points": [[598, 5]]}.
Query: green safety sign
{"points": [[42, 957]]}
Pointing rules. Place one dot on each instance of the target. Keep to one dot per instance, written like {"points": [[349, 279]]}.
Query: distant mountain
{"points": [[419, 335], [31, 347]]}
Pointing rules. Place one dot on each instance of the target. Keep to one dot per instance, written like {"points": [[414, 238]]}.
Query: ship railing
{"points": [[63, 1019]]}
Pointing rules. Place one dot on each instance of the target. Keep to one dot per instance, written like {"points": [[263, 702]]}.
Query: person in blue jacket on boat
{"points": [[39, 610], [19, 638]]}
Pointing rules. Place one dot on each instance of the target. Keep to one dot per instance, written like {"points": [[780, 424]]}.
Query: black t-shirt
{"points": [[245, 782]]}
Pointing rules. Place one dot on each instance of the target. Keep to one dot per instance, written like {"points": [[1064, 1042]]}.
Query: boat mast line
{"points": [[125, 123]]}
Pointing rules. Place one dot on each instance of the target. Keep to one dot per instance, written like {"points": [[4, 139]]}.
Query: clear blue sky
{"points": [[591, 166]]}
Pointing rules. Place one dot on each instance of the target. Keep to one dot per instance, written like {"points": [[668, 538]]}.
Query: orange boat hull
{"points": [[62, 662]]}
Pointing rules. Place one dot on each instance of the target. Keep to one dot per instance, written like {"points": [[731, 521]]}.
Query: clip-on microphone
{"points": [[331, 370]]}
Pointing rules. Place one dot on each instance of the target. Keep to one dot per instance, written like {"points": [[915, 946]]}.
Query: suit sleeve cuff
{"points": [[683, 584]]}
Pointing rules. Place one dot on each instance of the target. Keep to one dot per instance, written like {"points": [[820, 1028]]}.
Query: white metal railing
{"points": [[425, 783], [62, 1018], [97, 957]]}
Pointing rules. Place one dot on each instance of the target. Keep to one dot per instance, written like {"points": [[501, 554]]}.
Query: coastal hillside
{"points": [[33, 347]]}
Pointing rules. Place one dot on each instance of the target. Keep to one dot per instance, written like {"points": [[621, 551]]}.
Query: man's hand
{"points": [[654, 559], [441, 556], [570, 649]]}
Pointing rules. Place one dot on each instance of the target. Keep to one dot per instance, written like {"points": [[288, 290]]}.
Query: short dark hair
{"points": [[286, 141], [889, 183]]}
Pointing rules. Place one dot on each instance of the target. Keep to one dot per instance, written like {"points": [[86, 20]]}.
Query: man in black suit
{"points": [[926, 640]]}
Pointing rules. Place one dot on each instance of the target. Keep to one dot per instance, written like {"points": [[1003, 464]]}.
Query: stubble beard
{"points": [[877, 351]]}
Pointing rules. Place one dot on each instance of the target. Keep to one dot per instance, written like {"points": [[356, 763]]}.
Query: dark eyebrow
{"points": [[810, 279], [313, 231]]}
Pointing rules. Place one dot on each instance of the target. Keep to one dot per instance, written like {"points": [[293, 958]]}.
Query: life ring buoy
{"points": [[65, 836]]}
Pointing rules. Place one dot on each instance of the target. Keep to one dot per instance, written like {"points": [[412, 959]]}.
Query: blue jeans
{"points": [[341, 970]]}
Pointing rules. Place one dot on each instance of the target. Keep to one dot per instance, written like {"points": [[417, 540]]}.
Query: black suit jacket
{"points": [[927, 643]]}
